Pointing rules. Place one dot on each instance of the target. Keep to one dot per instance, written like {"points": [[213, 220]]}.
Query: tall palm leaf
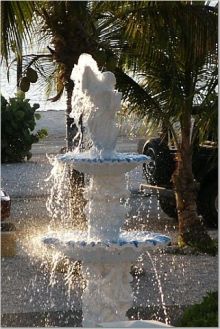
{"points": [[16, 18]]}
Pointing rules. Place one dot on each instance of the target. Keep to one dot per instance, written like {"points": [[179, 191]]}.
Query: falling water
{"points": [[70, 270], [65, 203], [163, 304]]}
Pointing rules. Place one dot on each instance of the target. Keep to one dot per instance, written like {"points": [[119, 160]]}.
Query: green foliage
{"points": [[18, 122], [204, 314], [210, 247]]}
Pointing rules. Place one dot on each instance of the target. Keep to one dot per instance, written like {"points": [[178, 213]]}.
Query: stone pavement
{"points": [[32, 295]]}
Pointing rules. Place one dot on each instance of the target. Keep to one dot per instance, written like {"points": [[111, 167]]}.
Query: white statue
{"points": [[99, 101]]}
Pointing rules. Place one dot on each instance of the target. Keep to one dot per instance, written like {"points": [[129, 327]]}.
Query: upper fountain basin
{"points": [[114, 164]]}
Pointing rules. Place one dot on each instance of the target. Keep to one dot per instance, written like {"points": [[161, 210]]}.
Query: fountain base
{"points": [[106, 267], [108, 294]]}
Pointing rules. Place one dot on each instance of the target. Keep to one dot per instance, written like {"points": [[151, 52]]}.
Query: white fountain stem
{"points": [[105, 210], [108, 294]]}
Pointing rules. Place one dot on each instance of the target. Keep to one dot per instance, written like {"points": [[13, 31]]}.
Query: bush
{"points": [[204, 314], [18, 121]]}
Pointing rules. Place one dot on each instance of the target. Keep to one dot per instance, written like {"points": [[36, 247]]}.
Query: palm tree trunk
{"points": [[19, 71], [76, 179], [191, 230], [19, 65], [70, 131]]}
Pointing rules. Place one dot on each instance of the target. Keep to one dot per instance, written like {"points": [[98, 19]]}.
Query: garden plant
{"points": [[18, 123]]}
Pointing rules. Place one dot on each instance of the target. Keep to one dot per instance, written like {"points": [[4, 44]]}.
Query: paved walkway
{"points": [[31, 296]]}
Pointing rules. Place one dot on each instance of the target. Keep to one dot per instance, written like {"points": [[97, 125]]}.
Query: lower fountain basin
{"points": [[114, 164], [129, 246]]}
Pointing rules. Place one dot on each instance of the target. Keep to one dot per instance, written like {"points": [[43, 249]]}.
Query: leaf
{"points": [[19, 115], [36, 106], [29, 155], [42, 133], [37, 116]]}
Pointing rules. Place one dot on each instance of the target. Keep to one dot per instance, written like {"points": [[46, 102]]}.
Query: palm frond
{"points": [[165, 45], [16, 18]]}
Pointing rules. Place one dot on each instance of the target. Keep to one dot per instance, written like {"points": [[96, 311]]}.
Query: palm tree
{"points": [[169, 49], [72, 30], [16, 18], [71, 27], [70, 36]]}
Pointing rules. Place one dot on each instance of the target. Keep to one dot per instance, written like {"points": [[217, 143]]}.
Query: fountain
{"points": [[106, 251]]}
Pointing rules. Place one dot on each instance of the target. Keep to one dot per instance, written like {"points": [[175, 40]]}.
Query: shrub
{"points": [[204, 314], [18, 119]]}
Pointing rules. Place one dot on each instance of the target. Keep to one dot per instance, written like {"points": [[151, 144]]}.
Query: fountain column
{"points": [[108, 294], [105, 210]]}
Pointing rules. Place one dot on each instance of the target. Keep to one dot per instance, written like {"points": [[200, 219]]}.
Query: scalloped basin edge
{"points": [[114, 164], [127, 248]]}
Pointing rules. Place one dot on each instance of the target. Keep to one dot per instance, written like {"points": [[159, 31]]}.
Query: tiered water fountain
{"points": [[106, 251]]}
